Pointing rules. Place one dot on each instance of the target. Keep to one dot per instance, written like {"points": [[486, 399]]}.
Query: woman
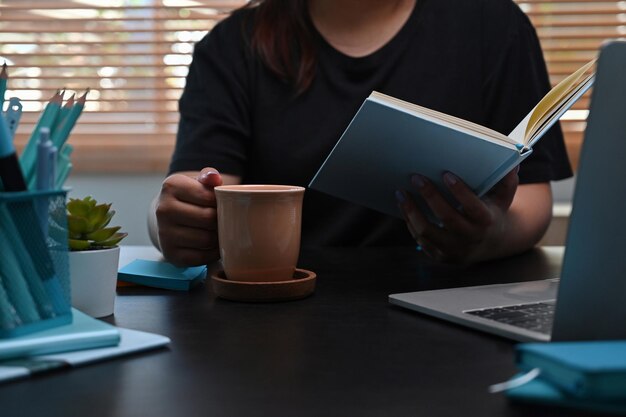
{"points": [[272, 87]]}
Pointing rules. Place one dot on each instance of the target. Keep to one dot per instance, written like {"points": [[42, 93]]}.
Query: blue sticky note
{"points": [[161, 274]]}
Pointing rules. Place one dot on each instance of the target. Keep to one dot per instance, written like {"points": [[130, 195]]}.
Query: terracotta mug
{"points": [[259, 231]]}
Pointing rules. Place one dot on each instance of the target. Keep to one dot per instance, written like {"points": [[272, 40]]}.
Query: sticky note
{"points": [[161, 274]]}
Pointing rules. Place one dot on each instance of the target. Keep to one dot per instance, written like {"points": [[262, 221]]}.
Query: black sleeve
{"points": [[515, 80], [214, 108]]}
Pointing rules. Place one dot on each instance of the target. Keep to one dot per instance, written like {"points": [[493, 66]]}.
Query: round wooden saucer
{"points": [[302, 285]]}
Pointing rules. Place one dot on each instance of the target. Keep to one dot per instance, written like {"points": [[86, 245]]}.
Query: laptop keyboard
{"points": [[537, 317]]}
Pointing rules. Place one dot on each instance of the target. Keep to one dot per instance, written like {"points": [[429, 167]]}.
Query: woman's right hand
{"points": [[186, 214]]}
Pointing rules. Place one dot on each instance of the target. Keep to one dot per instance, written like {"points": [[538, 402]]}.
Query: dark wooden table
{"points": [[344, 351]]}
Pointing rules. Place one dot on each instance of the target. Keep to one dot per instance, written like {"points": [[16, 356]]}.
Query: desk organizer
{"points": [[34, 271]]}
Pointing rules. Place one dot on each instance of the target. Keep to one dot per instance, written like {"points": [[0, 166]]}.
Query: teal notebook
{"points": [[131, 342], [595, 369], [538, 391], [161, 274], [84, 332]]}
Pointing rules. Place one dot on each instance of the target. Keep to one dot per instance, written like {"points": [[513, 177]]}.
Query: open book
{"points": [[389, 139]]}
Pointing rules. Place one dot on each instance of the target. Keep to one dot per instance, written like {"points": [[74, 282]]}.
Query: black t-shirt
{"points": [[476, 59]]}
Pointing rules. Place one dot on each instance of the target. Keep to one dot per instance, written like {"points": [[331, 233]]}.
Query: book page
{"points": [[552, 100], [558, 111]]}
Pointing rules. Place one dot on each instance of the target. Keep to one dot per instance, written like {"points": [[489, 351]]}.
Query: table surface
{"points": [[344, 351]]}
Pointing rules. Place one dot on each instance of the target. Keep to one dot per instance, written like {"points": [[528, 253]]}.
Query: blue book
{"points": [[539, 391], [161, 274], [84, 332], [587, 370], [394, 139]]}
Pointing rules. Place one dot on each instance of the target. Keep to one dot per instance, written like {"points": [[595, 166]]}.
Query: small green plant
{"points": [[87, 223]]}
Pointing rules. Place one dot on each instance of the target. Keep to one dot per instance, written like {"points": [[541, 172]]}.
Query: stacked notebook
{"points": [[83, 341]]}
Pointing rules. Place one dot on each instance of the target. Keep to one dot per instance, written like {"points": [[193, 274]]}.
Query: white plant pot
{"points": [[93, 277]]}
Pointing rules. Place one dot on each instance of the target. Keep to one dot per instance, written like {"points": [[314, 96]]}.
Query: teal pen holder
{"points": [[34, 266]]}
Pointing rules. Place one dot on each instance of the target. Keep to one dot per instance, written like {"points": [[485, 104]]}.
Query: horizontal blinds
{"points": [[570, 33], [134, 55]]}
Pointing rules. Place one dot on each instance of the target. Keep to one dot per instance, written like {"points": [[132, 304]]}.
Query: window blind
{"points": [[571, 31], [133, 55]]}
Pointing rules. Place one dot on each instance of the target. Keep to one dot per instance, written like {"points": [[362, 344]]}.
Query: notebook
{"points": [[83, 332], [594, 370], [586, 303], [131, 341], [540, 391]]}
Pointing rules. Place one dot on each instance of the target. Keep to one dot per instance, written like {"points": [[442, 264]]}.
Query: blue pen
{"points": [[10, 171], [13, 115], [45, 174], [46, 161], [4, 76]]}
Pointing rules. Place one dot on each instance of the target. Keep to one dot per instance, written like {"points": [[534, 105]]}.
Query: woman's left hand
{"points": [[466, 234]]}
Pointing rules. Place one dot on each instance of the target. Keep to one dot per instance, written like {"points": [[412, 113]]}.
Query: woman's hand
{"points": [[471, 233], [186, 215]]}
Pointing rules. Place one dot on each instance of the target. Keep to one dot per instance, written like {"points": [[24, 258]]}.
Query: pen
{"points": [[46, 161], [46, 174], [13, 115], [4, 75], [47, 119], [10, 171]]}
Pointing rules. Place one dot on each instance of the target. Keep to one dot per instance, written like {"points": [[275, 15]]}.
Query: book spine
{"points": [[515, 159]]}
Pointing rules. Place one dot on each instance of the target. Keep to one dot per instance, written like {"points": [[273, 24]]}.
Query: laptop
{"points": [[588, 302]]}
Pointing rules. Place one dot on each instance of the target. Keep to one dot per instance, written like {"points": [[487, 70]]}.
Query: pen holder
{"points": [[34, 271]]}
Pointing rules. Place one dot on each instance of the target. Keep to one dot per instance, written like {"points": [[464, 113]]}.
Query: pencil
{"points": [[4, 76], [60, 135], [14, 280], [63, 112], [64, 165]]}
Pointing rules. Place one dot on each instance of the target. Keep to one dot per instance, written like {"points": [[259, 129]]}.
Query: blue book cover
{"points": [[161, 274], [593, 369], [84, 332], [393, 139]]}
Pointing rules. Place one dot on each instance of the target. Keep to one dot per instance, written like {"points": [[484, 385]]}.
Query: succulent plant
{"points": [[87, 223]]}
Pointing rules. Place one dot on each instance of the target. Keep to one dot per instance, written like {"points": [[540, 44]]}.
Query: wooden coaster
{"points": [[302, 285]]}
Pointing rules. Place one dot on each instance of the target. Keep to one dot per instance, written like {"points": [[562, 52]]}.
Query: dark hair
{"points": [[282, 37]]}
